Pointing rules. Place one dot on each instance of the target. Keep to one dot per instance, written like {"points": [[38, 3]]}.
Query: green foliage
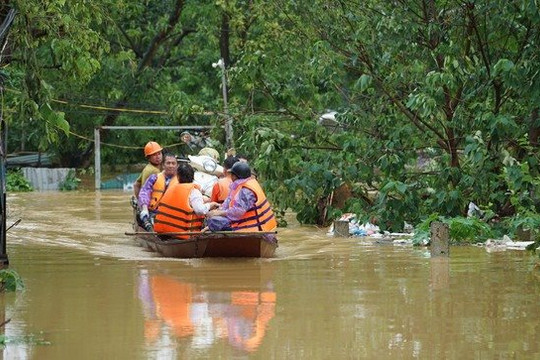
{"points": [[10, 280], [469, 230], [401, 97], [461, 230], [15, 181], [71, 182], [435, 108], [56, 45], [527, 220]]}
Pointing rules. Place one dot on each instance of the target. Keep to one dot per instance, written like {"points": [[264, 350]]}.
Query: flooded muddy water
{"points": [[91, 293]]}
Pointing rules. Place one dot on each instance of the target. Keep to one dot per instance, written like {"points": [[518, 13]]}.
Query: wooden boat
{"points": [[208, 244]]}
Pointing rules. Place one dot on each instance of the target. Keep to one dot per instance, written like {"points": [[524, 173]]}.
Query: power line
{"points": [[106, 108], [119, 146], [109, 108]]}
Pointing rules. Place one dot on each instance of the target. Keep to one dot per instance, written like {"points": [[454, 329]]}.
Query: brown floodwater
{"points": [[91, 293]]}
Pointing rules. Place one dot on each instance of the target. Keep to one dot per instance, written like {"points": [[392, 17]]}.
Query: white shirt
{"points": [[197, 203]]}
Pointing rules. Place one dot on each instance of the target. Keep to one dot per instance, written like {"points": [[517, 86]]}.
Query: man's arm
{"points": [[215, 192], [245, 200], [197, 203], [145, 193], [137, 186]]}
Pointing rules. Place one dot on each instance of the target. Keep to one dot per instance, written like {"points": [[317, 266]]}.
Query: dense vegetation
{"points": [[437, 101]]}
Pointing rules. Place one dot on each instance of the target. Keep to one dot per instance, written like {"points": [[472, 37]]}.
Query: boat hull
{"points": [[208, 244]]}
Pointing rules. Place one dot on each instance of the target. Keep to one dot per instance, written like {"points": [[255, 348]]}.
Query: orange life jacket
{"points": [[258, 218], [159, 188], [223, 185], [175, 214], [254, 307], [173, 300]]}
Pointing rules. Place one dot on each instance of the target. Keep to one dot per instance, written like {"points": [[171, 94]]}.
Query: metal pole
{"points": [[228, 120], [4, 29], [97, 159], [97, 142], [4, 262], [159, 127]]}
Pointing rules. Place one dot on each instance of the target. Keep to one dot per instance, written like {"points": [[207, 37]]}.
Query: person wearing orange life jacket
{"points": [[152, 151], [246, 208], [220, 191], [154, 188], [182, 208]]}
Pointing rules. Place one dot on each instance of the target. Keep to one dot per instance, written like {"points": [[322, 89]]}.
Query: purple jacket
{"points": [[145, 195], [245, 199]]}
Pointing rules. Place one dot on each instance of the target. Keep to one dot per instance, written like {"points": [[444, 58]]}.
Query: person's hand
{"points": [[144, 212], [214, 212], [213, 205], [134, 201]]}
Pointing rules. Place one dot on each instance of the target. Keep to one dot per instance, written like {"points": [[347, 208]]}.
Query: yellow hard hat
{"points": [[151, 148]]}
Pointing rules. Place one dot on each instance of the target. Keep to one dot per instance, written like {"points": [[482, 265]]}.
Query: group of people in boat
{"points": [[171, 199]]}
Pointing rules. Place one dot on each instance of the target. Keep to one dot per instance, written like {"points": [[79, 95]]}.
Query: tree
{"points": [[436, 101], [453, 81], [123, 55], [53, 41]]}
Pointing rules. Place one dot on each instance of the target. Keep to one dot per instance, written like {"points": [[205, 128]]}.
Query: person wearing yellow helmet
{"points": [[153, 152]]}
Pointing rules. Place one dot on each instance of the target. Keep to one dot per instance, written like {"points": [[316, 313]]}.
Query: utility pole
{"points": [[4, 262], [229, 142], [4, 30]]}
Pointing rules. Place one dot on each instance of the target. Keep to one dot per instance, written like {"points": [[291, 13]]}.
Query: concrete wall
{"points": [[44, 178]]}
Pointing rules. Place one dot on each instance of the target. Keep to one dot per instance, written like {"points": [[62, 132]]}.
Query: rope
{"points": [[108, 108], [116, 145]]}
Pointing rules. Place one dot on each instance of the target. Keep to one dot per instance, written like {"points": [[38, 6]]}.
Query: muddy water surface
{"points": [[91, 293]]}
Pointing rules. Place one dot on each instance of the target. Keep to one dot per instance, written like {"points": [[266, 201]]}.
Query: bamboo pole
{"points": [[134, 233]]}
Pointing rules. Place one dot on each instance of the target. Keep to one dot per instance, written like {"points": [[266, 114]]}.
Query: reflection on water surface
{"points": [[91, 292], [176, 310]]}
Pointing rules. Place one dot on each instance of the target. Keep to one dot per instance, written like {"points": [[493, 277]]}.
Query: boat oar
{"points": [[199, 233], [14, 224]]}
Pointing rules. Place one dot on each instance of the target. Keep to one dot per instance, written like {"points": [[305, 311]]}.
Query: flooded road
{"points": [[91, 293]]}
